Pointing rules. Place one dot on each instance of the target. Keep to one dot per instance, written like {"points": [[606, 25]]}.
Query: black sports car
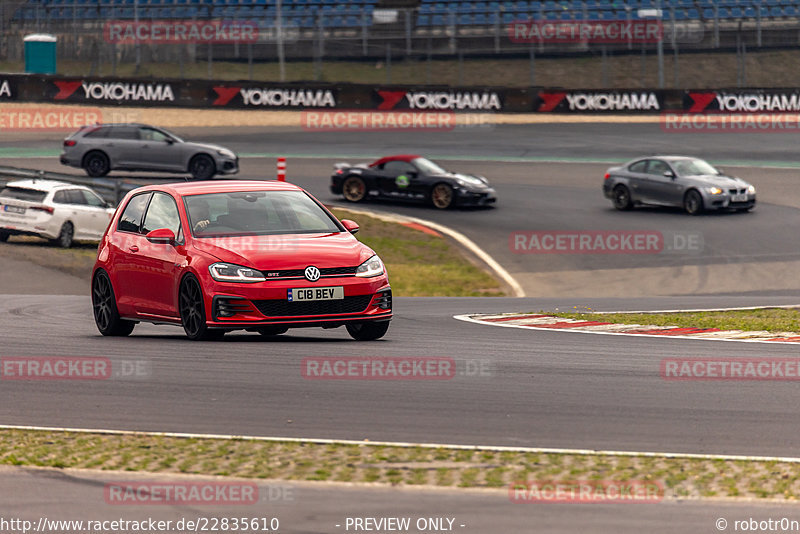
{"points": [[412, 178]]}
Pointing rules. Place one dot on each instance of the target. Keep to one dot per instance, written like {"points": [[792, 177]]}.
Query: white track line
{"points": [[469, 319], [537, 450], [463, 240]]}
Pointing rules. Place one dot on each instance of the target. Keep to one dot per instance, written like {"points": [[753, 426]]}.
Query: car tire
{"points": [[442, 196], [202, 167], [367, 331], [271, 331], [354, 189], [104, 305], [4, 237], [96, 164], [622, 198], [693, 202], [192, 310], [66, 236]]}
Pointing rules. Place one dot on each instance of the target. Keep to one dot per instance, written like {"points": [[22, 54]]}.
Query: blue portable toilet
{"points": [[40, 53]]}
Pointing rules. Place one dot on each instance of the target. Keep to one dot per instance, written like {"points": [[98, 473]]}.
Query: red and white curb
{"points": [[538, 321]]}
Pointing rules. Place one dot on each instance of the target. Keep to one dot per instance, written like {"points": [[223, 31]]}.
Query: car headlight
{"points": [[371, 267], [751, 189], [714, 190], [226, 153], [229, 272]]}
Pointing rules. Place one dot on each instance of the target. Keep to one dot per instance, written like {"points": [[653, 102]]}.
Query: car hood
{"points": [[206, 146], [719, 180], [469, 180], [287, 251]]}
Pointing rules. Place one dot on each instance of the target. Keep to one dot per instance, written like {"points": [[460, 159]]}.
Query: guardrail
{"points": [[110, 189]]}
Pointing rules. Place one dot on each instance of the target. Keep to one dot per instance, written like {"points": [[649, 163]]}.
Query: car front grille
{"points": [[299, 273], [285, 308], [737, 191]]}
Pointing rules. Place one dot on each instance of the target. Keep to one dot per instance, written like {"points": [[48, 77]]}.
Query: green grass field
{"points": [[769, 319]]}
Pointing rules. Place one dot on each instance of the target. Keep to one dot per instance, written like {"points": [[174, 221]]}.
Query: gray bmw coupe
{"points": [[680, 181]]}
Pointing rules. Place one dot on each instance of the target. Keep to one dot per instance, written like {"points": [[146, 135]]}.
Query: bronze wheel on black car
{"points": [[354, 189], [442, 196]]}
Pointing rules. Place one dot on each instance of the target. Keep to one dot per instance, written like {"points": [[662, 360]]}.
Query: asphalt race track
{"points": [[315, 508], [539, 389], [549, 179]]}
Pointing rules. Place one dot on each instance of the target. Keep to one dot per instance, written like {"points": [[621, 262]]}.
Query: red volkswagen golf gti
{"points": [[227, 255]]}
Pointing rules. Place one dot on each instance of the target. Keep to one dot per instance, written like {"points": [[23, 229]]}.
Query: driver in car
{"points": [[201, 213]]}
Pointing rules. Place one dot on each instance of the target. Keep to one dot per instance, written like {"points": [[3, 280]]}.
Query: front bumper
{"points": [[725, 201], [479, 197], [231, 305], [227, 165]]}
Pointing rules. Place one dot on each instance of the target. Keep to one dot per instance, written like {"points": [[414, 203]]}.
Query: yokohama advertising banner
{"points": [[742, 100], [439, 99], [273, 96], [600, 101]]}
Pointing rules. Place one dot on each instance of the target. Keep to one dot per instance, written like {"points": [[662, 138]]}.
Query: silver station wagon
{"points": [[100, 149]]}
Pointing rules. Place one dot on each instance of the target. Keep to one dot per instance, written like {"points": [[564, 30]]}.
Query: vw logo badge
{"points": [[311, 273]]}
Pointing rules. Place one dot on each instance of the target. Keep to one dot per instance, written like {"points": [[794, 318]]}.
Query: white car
{"points": [[58, 211]]}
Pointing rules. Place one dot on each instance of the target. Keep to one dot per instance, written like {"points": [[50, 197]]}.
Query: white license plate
{"points": [[739, 198], [316, 293], [14, 209]]}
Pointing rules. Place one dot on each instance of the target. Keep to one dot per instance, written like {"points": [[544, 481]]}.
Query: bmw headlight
{"points": [[229, 272], [751, 189], [714, 190], [226, 153], [371, 267]]}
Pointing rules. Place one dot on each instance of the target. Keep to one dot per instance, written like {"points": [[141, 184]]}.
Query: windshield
{"points": [[177, 138], [693, 167], [427, 166], [257, 213]]}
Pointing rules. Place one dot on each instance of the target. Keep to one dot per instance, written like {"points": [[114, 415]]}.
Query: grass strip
{"points": [[775, 320], [419, 264], [391, 465]]}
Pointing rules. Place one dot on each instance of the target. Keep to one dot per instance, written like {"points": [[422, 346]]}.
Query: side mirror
{"points": [[669, 174], [161, 236], [350, 226], [169, 140], [412, 174]]}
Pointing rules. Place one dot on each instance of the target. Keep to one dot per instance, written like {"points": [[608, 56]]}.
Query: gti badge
{"points": [[311, 273]]}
